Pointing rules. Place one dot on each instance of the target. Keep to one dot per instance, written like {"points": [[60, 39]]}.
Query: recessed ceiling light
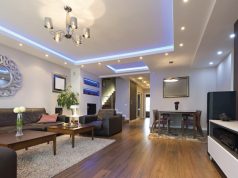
{"points": [[211, 63], [166, 54], [65, 63], [20, 44], [118, 61], [171, 62], [140, 57], [181, 44], [99, 63], [46, 55], [140, 78], [233, 35], [183, 28], [185, 1], [82, 66], [219, 52]]}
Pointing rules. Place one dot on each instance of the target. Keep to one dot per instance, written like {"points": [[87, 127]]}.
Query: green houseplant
{"points": [[67, 98]]}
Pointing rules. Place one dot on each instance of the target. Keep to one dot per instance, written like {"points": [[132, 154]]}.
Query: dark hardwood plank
{"points": [[134, 155]]}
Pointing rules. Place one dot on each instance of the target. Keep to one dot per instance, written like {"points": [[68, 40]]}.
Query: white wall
{"points": [[123, 97], [201, 81], [225, 74], [37, 75], [77, 76]]}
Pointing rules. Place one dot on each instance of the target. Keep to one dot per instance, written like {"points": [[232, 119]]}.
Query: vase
{"points": [[19, 125]]}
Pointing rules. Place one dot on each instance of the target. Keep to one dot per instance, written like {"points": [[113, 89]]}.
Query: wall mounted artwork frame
{"points": [[59, 83], [88, 91], [91, 82]]}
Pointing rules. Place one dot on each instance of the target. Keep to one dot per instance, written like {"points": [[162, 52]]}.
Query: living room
{"points": [[118, 60]]}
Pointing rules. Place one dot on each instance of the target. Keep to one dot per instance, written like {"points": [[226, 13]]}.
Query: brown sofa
{"points": [[30, 119], [8, 163]]}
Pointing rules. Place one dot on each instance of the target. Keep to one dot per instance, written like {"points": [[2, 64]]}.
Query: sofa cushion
{"points": [[40, 126], [48, 118], [7, 117], [97, 124], [106, 113], [7, 129], [33, 115]]}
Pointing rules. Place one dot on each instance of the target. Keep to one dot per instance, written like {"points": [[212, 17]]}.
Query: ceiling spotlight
{"points": [[211, 63], [82, 66], [185, 1], [140, 57], [20, 44], [181, 44], [183, 28], [166, 54], [219, 53], [140, 78], [46, 55], [118, 61], [99, 63], [233, 35]]}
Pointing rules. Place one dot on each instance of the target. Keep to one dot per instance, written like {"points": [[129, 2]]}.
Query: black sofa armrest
{"points": [[63, 118], [112, 125], [87, 119], [8, 163]]}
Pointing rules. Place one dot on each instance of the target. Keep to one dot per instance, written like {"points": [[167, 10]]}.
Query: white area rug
{"points": [[40, 162]]}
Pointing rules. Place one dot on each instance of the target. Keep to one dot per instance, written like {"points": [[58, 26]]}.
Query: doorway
{"points": [[147, 105]]}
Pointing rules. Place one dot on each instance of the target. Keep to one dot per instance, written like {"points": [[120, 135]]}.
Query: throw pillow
{"points": [[48, 118]]}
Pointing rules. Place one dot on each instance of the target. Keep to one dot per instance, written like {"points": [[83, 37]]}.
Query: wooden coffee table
{"points": [[72, 131], [30, 138]]}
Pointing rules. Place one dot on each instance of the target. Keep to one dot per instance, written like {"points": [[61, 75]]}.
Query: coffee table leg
{"points": [[54, 145], [73, 140], [92, 133]]}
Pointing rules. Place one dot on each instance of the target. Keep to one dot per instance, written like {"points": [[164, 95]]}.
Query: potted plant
{"points": [[67, 98]]}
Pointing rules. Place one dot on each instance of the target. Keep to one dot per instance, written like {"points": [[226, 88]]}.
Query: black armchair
{"points": [[8, 163], [106, 122]]}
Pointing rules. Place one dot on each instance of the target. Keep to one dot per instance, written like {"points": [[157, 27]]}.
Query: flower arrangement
{"points": [[19, 121], [20, 109]]}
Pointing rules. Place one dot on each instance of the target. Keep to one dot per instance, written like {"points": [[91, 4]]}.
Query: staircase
{"points": [[108, 102]]}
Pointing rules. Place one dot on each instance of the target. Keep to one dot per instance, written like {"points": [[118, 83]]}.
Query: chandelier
{"points": [[70, 31]]}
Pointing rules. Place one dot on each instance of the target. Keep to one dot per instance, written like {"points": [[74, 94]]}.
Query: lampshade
{"points": [[78, 39], [48, 23], [58, 36], [86, 33], [74, 106], [73, 23]]}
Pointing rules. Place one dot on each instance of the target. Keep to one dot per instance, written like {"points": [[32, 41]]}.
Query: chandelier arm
{"points": [[53, 32]]}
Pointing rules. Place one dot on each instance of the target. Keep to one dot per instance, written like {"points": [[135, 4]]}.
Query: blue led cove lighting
{"points": [[11, 34], [132, 69], [28, 41]]}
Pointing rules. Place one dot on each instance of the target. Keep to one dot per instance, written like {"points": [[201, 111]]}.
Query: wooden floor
{"points": [[134, 155]]}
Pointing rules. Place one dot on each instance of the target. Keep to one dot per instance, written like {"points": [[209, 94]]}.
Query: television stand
{"points": [[223, 145]]}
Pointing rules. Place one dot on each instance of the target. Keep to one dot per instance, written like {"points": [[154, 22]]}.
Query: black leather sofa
{"points": [[8, 163], [30, 119], [106, 122]]}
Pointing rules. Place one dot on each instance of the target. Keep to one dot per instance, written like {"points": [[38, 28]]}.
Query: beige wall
{"points": [[36, 88]]}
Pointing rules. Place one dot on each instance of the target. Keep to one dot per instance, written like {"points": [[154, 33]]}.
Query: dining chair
{"points": [[192, 120], [163, 120]]}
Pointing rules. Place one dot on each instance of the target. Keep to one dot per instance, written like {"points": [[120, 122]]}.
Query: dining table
{"points": [[182, 115]]}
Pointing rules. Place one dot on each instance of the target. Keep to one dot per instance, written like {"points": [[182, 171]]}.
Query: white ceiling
{"points": [[120, 26], [117, 27]]}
